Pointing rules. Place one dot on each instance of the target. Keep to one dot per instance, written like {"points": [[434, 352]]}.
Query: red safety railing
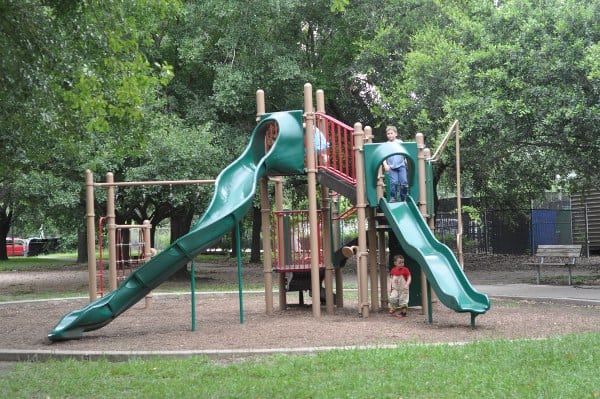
{"points": [[271, 136], [338, 156], [291, 241]]}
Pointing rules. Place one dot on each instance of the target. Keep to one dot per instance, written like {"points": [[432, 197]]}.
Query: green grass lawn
{"points": [[36, 263], [561, 367], [66, 261]]}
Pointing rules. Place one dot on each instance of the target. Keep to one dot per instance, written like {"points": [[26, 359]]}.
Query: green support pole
{"points": [[239, 266], [193, 292], [429, 310]]}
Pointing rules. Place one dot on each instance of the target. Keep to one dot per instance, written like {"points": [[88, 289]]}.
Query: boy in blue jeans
{"points": [[395, 167]]}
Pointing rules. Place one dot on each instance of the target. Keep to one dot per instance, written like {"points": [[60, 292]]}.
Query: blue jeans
{"points": [[398, 183]]}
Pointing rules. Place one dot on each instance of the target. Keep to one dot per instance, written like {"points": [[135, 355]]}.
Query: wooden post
{"points": [[280, 242], [361, 204], [265, 217], [90, 219], [339, 276], [265, 214], [326, 224], [382, 256], [260, 104], [459, 230], [420, 139], [372, 242], [111, 226], [311, 170], [383, 272], [148, 253]]}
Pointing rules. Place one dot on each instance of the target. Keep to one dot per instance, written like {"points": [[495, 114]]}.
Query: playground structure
{"points": [[124, 255], [287, 143]]}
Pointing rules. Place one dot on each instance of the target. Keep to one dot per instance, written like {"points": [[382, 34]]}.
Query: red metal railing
{"points": [[338, 157], [271, 136], [291, 241]]}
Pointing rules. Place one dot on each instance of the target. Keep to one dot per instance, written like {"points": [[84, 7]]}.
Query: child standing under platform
{"points": [[399, 287]]}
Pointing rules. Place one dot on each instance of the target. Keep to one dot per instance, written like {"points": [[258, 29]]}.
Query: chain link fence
{"points": [[509, 231]]}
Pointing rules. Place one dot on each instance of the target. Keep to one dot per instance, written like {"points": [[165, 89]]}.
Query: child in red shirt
{"points": [[398, 287]]}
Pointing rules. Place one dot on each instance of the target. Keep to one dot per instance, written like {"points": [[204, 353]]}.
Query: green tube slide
{"points": [[435, 259], [235, 188]]}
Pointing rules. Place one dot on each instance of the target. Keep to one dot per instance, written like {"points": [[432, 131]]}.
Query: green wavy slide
{"points": [[235, 188], [435, 259]]}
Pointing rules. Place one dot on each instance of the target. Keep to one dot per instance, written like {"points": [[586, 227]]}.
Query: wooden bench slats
{"points": [[559, 250], [560, 255]]}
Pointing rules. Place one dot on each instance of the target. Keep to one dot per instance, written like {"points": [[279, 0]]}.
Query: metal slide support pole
{"points": [[239, 269], [193, 293], [91, 234], [429, 310]]}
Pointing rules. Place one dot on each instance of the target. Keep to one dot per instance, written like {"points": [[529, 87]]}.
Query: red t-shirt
{"points": [[400, 271]]}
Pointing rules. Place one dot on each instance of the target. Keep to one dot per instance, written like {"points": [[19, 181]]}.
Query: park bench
{"points": [[556, 255]]}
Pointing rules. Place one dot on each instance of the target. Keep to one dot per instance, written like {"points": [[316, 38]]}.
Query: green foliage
{"points": [[518, 77], [111, 87], [474, 213], [339, 5], [176, 152], [78, 92], [97, 85]]}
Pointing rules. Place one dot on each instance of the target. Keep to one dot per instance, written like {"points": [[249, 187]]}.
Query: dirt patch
{"points": [[479, 268], [167, 323]]}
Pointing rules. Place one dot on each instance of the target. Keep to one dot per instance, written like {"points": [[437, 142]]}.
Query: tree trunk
{"points": [[82, 255], [234, 242], [5, 220], [256, 229], [181, 220]]}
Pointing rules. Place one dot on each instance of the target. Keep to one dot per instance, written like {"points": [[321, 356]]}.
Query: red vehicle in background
{"points": [[16, 246]]}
